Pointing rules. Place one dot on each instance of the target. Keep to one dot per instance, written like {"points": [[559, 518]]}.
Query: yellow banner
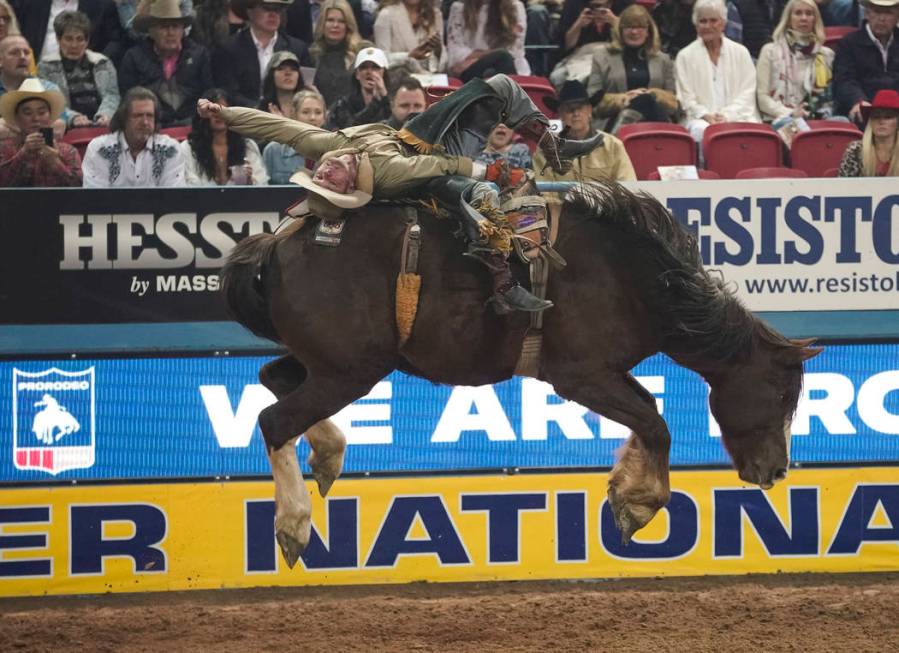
{"points": [[174, 536]]}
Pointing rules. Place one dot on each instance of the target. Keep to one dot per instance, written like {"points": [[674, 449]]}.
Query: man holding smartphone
{"points": [[32, 157]]}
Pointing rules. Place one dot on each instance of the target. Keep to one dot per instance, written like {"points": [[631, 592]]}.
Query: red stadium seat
{"points": [[703, 174], [538, 89], [653, 144], [733, 146], [178, 133], [454, 82], [79, 137], [821, 148], [833, 34], [649, 5], [770, 173]]}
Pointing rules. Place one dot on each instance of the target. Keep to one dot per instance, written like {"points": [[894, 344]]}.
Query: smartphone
{"points": [[48, 135]]}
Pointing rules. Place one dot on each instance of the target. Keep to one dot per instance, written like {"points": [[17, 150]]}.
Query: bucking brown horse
{"points": [[634, 285]]}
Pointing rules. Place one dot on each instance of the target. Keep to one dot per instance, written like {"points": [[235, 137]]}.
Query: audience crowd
{"points": [[129, 73]]}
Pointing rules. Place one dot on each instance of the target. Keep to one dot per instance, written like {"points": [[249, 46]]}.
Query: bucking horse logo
{"points": [[53, 419], [53, 422]]}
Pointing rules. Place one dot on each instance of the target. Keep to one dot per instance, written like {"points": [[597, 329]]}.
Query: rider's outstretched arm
{"points": [[311, 142]]}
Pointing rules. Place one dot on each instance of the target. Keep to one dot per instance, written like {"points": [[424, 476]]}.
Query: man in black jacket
{"points": [[867, 60], [240, 66], [107, 35], [175, 68]]}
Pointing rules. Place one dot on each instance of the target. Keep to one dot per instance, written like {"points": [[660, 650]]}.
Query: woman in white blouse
{"points": [[715, 76], [485, 37], [411, 32]]}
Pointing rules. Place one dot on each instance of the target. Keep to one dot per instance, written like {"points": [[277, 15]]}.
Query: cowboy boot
{"points": [[559, 152], [508, 294]]}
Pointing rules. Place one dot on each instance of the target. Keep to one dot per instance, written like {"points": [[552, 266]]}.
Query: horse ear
{"points": [[807, 353], [803, 342]]}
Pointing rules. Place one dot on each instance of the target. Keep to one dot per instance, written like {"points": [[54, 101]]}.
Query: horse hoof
{"points": [[291, 548], [623, 518], [326, 470]]}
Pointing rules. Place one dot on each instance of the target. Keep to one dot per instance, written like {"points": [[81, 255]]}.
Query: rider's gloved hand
{"points": [[501, 174]]}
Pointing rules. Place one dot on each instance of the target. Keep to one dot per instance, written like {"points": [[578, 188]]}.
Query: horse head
{"points": [[754, 402]]}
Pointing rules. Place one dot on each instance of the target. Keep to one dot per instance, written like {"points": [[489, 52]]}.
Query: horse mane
{"points": [[701, 318]]}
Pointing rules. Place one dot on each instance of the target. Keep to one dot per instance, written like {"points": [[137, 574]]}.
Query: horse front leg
{"points": [[638, 483]]}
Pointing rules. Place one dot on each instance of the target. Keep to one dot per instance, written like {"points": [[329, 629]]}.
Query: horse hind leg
{"points": [[327, 442]]}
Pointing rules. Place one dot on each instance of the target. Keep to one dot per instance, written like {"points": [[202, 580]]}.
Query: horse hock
{"points": [[638, 489]]}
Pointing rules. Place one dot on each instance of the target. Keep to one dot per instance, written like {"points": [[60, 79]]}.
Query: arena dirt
{"points": [[803, 613]]}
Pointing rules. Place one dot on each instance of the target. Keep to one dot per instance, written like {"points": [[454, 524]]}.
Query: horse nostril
{"points": [[780, 474]]}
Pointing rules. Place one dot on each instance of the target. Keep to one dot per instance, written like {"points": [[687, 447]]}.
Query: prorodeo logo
{"points": [[53, 420]]}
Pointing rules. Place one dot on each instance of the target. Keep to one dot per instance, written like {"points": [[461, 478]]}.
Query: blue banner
{"points": [[197, 417]]}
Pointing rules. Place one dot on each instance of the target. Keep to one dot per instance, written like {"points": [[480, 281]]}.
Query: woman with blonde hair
{"points": [[281, 160], [877, 153], [411, 32], [335, 44], [634, 77], [486, 37], [794, 71]]}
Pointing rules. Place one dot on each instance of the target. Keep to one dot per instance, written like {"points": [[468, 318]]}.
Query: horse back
{"points": [[325, 300]]}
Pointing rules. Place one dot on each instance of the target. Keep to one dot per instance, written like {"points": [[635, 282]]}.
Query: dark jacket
{"points": [[572, 9], [107, 34], [758, 22], [675, 22], [858, 70], [350, 111], [237, 66], [177, 96]]}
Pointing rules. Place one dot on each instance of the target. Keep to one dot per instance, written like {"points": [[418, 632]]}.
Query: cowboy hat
{"points": [[881, 3], [364, 182], [31, 88], [574, 92], [158, 11], [885, 99], [239, 7]]}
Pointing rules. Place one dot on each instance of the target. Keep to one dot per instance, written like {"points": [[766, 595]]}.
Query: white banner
{"points": [[795, 244]]}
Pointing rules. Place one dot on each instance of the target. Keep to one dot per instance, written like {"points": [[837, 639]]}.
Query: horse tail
{"points": [[242, 284]]}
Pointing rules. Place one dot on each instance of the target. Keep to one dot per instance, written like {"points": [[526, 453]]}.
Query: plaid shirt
{"points": [[20, 169]]}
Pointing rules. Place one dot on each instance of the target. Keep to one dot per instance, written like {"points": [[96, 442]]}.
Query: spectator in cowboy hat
{"points": [[175, 68], [608, 161], [241, 65], [27, 159], [867, 60], [368, 102], [877, 153]]}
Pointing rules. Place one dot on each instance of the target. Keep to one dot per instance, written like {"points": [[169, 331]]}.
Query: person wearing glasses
{"points": [[633, 76]]}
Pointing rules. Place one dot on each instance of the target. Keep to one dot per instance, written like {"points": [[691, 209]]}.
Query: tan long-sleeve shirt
{"points": [[397, 168]]}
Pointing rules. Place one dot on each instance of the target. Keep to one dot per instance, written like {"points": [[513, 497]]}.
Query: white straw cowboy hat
{"points": [[364, 182], [239, 7], [31, 88], [158, 11]]}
